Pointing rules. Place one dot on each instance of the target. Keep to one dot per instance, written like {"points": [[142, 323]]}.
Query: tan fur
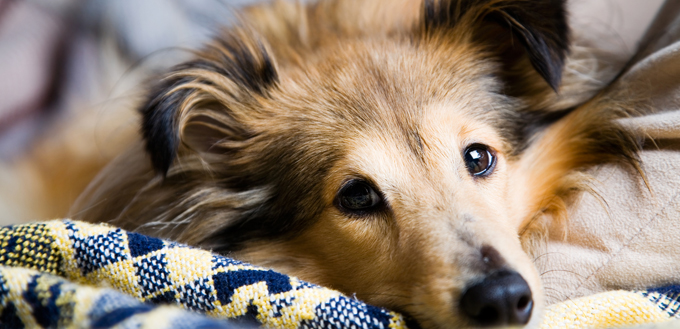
{"points": [[552, 169], [363, 92]]}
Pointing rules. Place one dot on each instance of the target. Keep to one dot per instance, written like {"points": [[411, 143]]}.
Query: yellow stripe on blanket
{"points": [[611, 309]]}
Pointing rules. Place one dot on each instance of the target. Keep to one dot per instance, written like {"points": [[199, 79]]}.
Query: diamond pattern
{"points": [[95, 252], [152, 275], [197, 296]]}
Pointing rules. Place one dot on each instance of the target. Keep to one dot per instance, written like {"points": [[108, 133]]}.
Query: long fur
{"points": [[242, 148]]}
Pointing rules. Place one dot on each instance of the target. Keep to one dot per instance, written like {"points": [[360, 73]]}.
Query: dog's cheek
{"points": [[355, 255]]}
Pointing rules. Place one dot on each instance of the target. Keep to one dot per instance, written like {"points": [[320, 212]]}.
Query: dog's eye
{"points": [[358, 196], [479, 160]]}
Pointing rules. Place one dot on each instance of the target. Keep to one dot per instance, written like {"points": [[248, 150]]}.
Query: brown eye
{"points": [[358, 196], [479, 160]]}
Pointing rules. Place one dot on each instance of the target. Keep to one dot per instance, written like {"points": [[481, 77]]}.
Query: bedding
{"points": [[69, 274]]}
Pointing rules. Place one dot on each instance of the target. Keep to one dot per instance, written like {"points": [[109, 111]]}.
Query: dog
{"points": [[409, 152]]}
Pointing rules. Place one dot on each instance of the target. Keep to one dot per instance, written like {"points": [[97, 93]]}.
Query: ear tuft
{"points": [[235, 69], [246, 63], [543, 30], [540, 25], [159, 124]]}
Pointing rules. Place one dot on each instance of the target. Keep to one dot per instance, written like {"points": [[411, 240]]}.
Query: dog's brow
{"points": [[415, 143]]}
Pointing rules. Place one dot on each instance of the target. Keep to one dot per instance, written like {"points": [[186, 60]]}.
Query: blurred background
{"points": [[60, 56], [69, 68]]}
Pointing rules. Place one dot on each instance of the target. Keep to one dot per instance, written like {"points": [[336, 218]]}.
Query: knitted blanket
{"points": [[67, 274]]}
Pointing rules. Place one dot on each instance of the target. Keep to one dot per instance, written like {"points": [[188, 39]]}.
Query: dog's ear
{"points": [[511, 28], [202, 104]]}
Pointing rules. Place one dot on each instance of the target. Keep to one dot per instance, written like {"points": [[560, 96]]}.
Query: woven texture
{"points": [[70, 274], [158, 272], [614, 309]]}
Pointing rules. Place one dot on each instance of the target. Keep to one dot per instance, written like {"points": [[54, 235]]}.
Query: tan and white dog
{"points": [[406, 151]]}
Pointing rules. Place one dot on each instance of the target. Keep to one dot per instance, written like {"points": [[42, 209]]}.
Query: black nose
{"points": [[502, 298]]}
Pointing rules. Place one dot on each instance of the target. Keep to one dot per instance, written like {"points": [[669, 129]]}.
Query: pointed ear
{"points": [[539, 27], [201, 104]]}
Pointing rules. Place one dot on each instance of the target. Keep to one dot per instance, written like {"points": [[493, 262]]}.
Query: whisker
{"points": [[387, 295], [557, 270], [547, 253]]}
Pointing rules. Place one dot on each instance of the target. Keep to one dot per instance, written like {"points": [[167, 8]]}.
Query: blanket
{"points": [[69, 274], [625, 236]]}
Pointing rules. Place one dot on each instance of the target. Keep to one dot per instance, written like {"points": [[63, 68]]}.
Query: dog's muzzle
{"points": [[502, 298]]}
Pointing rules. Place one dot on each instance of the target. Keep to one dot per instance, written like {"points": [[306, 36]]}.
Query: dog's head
{"points": [[383, 154]]}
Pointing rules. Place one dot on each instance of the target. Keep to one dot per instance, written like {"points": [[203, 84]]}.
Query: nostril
{"points": [[523, 310], [523, 302], [502, 298]]}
